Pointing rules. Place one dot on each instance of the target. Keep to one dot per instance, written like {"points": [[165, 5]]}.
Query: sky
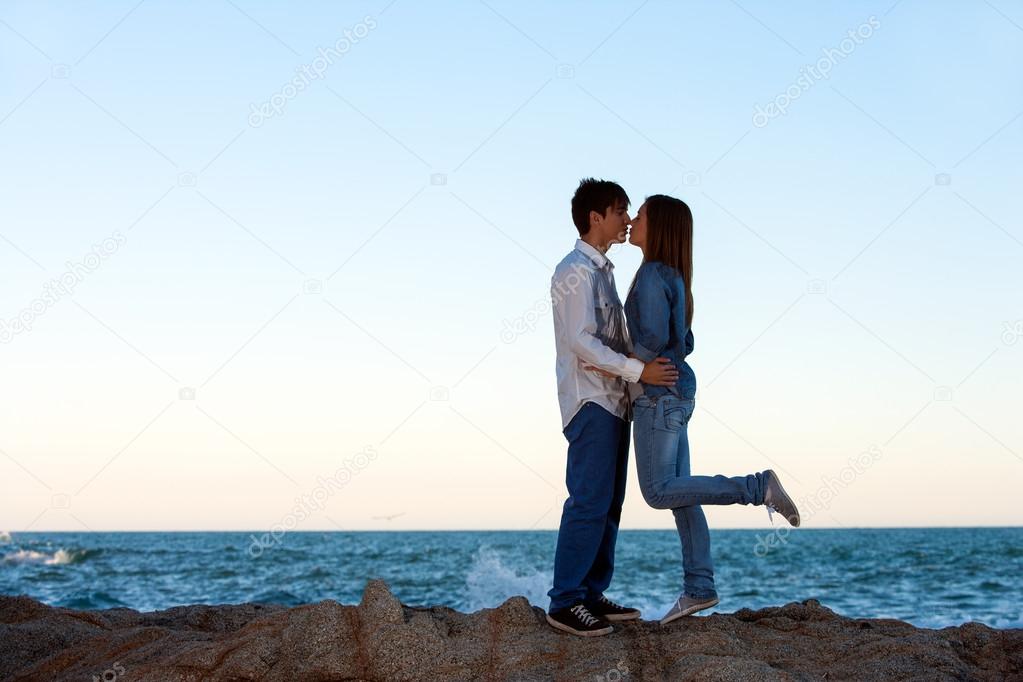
{"points": [[268, 266]]}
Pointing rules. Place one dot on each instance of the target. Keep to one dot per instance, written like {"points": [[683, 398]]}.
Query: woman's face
{"points": [[637, 235]]}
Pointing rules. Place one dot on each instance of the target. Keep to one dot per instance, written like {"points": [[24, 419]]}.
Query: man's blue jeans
{"points": [[598, 461], [662, 464]]}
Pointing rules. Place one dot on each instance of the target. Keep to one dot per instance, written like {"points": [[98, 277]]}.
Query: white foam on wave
{"points": [[5, 537], [62, 556], [491, 581], [30, 556]]}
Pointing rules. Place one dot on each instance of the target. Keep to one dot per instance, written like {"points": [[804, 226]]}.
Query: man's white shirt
{"points": [[589, 330]]}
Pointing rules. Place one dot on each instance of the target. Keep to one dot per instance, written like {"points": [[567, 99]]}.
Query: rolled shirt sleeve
{"points": [[574, 316]]}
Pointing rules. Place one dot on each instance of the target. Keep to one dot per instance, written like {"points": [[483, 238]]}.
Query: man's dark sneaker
{"points": [[578, 620], [608, 610]]}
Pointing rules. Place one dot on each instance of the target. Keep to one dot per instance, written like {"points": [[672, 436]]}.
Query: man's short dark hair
{"points": [[595, 195]]}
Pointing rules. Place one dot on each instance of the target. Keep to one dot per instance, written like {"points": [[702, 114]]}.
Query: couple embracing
{"points": [[616, 366]]}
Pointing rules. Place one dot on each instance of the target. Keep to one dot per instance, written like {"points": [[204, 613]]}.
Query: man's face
{"points": [[614, 224]]}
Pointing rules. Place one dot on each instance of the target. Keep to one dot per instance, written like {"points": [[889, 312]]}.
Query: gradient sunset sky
{"points": [[251, 301]]}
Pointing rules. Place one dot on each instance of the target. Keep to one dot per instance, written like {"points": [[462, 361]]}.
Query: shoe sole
{"points": [[690, 611], [578, 633], [617, 618], [781, 488]]}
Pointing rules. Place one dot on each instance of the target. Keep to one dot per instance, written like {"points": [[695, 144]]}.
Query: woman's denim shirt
{"points": [[655, 311]]}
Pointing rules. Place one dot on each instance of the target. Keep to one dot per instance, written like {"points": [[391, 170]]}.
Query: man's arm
{"points": [[574, 316]]}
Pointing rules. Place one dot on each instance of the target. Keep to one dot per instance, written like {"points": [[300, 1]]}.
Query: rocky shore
{"points": [[381, 639]]}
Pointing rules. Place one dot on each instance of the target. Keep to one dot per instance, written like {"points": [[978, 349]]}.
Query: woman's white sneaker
{"points": [[777, 500], [687, 606]]}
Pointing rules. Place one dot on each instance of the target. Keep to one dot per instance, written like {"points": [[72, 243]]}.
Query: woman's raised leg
{"points": [[659, 427]]}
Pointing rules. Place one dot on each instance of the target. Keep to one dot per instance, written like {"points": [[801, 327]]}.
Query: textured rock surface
{"points": [[380, 639]]}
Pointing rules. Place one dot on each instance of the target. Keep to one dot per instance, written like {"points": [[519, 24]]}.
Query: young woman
{"points": [[659, 314]]}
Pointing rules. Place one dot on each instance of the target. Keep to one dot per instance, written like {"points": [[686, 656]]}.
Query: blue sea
{"points": [[931, 577]]}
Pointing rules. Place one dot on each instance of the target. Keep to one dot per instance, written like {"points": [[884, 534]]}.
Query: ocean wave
{"points": [[274, 596], [89, 600], [490, 581], [5, 537], [59, 558], [469, 571]]}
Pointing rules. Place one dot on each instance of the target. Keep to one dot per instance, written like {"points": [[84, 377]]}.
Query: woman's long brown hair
{"points": [[669, 240]]}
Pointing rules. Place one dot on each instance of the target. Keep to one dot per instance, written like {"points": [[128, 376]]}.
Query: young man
{"points": [[593, 366]]}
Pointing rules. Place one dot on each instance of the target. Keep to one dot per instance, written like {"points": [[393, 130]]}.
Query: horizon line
{"points": [[485, 530]]}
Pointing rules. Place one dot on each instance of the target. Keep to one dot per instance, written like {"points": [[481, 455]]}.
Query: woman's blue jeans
{"points": [[660, 427]]}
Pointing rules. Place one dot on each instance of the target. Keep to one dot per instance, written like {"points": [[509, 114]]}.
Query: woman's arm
{"points": [[654, 315]]}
